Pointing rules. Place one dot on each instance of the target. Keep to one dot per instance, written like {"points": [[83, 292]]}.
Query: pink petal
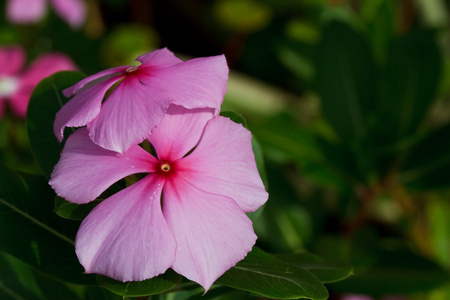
{"points": [[82, 108], [85, 170], [126, 237], [12, 60], [25, 11], [179, 131], [73, 11], [158, 58], [129, 115], [42, 67], [47, 65], [212, 231], [225, 164], [95, 79], [196, 83]]}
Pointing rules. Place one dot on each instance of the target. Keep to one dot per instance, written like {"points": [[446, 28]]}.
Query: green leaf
{"points": [[395, 272], [345, 80], [325, 271], [32, 233], [263, 274], [427, 165], [46, 100], [156, 285], [235, 117], [19, 281], [73, 211], [283, 139], [408, 85]]}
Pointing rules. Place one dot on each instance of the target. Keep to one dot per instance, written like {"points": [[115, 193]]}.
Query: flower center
{"points": [[8, 85], [165, 168], [131, 69]]}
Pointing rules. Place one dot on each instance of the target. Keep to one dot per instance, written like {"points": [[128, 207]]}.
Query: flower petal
{"points": [[12, 60], [126, 236], [97, 78], [82, 108], [158, 58], [128, 116], [85, 170], [196, 83], [225, 164], [212, 231], [72, 11], [25, 11], [179, 131], [42, 67]]}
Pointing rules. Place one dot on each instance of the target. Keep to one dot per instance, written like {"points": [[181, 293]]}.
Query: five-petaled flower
{"points": [[31, 11], [187, 213], [141, 98], [16, 86]]}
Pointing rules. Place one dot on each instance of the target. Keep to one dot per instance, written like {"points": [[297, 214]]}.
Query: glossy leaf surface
{"points": [[268, 276]]}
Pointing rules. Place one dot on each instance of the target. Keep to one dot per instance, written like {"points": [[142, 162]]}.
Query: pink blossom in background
{"points": [[143, 94], [17, 83], [187, 213], [31, 11]]}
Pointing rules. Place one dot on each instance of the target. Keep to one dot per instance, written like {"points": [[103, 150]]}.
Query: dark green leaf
{"points": [[235, 117], [73, 211], [395, 272], [31, 232], [156, 285], [428, 164], [345, 80], [19, 281], [408, 84], [46, 100], [326, 271], [267, 276], [284, 140]]}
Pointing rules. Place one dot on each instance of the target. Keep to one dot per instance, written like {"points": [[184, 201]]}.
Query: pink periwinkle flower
{"points": [[142, 95], [31, 11], [16, 84], [187, 213]]}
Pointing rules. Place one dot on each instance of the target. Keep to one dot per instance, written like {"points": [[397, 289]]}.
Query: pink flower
{"points": [[31, 11], [187, 214], [16, 86], [143, 94]]}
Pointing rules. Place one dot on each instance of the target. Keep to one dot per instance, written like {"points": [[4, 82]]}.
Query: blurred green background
{"points": [[349, 100]]}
